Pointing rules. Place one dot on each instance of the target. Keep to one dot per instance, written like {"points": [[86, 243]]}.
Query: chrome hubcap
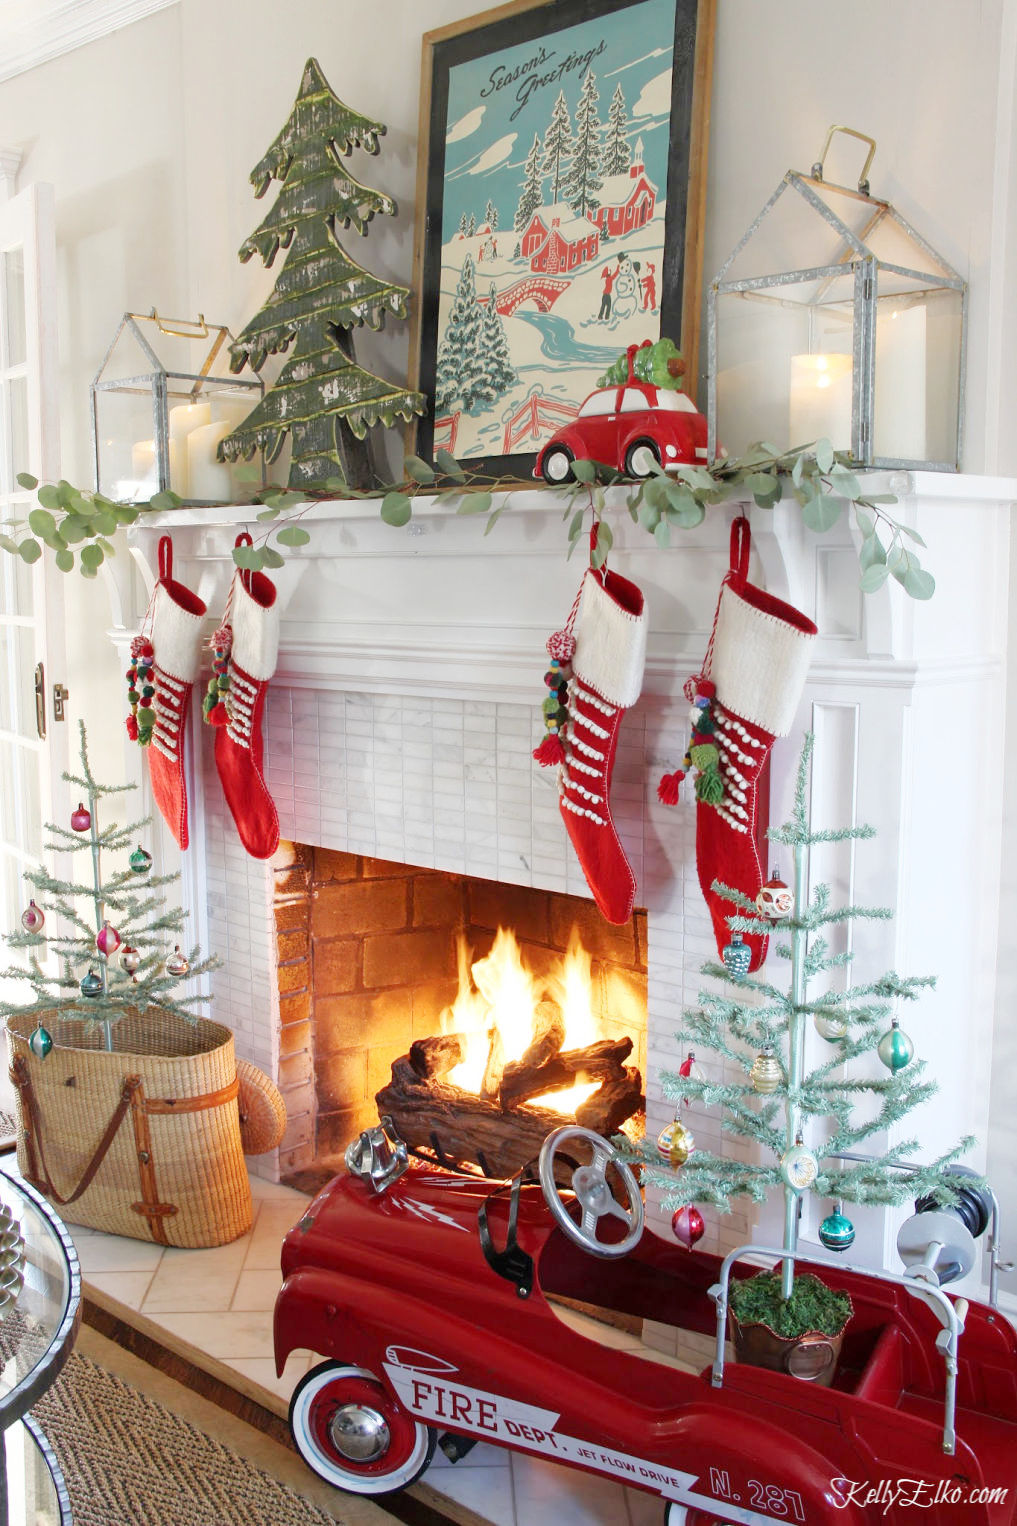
{"points": [[558, 466], [359, 1432]]}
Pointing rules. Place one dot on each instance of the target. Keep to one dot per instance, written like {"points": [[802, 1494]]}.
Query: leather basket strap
{"points": [[193, 1104], [33, 1134]]}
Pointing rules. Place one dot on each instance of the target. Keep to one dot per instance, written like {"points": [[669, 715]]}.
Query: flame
{"points": [[496, 1007]]}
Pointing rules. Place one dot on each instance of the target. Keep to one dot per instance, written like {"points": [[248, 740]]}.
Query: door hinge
{"points": [[60, 698]]}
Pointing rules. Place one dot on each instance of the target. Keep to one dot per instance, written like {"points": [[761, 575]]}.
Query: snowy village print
{"points": [[553, 209]]}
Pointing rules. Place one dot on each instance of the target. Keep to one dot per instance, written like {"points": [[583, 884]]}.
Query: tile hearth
{"points": [[215, 1307]]}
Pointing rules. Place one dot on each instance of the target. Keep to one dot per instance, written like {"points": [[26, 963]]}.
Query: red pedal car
{"points": [[631, 429], [429, 1294]]}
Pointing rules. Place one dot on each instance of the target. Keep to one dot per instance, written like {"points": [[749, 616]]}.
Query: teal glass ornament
{"points": [[836, 1231], [737, 956], [40, 1043], [91, 984], [895, 1049], [140, 861]]}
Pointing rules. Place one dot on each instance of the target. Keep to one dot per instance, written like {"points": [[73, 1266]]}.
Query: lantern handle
{"points": [[863, 179], [183, 328]]}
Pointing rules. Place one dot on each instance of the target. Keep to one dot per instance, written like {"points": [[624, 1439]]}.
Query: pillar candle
{"points": [[820, 402], [208, 479], [183, 420]]}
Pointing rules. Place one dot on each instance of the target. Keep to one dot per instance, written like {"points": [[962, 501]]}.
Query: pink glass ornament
{"points": [[687, 1225], [81, 820], [107, 940]]}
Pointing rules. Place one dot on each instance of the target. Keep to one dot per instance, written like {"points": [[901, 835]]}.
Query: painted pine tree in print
{"points": [[491, 216], [500, 372], [322, 399], [583, 180], [558, 145], [532, 193], [617, 151], [460, 379]]}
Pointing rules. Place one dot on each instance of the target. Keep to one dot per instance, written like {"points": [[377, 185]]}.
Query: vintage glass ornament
{"points": [[40, 1043], [32, 918], [775, 900], [690, 1071], [798, 1168], [766, 1073], [830, 1027], [91, 984], [107, 940], [81, 819], [675, 1143], [177, 964], [140, 861], [895, 1049], [130, 958], [737, 956], [687, 1225], [836, 1231]]}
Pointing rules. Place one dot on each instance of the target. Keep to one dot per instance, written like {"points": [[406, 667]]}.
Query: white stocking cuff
{"points": [[610, 646]]}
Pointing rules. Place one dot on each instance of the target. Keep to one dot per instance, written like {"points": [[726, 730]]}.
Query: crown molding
{"points": [[34, 31]]}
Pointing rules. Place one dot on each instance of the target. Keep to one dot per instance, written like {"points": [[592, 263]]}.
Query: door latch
{"points": [[40, 700], [60, 696]]}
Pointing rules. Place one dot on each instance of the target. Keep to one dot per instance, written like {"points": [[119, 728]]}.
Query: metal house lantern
{"points": [[833, 318], [159, 410]]}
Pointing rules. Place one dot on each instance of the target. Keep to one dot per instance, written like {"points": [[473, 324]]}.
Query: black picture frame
{"points": [[480, 38]]}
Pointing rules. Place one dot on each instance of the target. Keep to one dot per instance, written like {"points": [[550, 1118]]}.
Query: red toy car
{"points": [[428, 1294], [630, 428]]}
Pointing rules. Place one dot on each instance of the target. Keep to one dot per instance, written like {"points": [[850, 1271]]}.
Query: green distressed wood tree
{"points": [[322, 398]]}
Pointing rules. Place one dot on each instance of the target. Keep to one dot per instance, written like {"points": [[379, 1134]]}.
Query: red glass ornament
{"points": [[32, 918], [107, 940], [81, 820], [775, 899], [687, 1225]]}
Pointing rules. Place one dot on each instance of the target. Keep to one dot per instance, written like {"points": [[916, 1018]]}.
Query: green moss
{"points": [[812, 1305]]}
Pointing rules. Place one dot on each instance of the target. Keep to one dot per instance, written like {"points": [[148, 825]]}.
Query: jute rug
{"points": [[129, 1461]]}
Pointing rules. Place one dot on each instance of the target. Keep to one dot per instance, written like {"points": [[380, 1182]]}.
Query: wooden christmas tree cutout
{"points": [[322, 398]]}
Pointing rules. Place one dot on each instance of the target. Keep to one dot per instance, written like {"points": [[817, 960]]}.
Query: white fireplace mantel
{"points": [[407, 699]]}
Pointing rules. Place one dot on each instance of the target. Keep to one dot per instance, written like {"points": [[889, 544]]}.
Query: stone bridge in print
{"points": [[544, 291]]}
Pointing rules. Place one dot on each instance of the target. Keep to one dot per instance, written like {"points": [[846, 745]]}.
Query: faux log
{"points": [[437, 1056], [599, 1061], [548, 1035], [466, 1126], [612, 1103], [493, 1070]]}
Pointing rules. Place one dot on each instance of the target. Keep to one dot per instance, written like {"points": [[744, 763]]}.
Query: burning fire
{"points": [[496, 1009]]}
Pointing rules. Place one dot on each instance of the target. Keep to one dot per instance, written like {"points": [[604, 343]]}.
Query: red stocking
{"points": [[747, 696], [177, 616]]}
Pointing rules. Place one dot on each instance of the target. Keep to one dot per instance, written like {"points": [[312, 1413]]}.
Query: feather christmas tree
{"points": [[805, 1125], [124, 913]]}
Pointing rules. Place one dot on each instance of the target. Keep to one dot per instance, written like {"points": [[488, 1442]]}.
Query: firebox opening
{"points": [[483, 1013]]}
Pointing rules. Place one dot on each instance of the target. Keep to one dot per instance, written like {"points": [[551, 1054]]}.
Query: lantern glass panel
{"points": [[916, 380]]}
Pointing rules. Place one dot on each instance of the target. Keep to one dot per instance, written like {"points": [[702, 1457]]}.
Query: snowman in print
{"points": [[626, 290]]}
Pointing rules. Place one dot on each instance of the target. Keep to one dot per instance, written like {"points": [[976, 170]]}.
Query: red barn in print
{"points": [[626, 201]]}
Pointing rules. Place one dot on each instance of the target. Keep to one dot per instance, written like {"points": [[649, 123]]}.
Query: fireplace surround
{"points": [[407, 700]]}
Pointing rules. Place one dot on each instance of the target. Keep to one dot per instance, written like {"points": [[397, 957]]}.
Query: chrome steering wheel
{"points": [[593, 1193]]}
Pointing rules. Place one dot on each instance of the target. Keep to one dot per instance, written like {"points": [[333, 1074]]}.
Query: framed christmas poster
{"points": [[560, 201]]}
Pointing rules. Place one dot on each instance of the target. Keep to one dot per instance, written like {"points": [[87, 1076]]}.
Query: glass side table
{"points": [[38, 1323]]}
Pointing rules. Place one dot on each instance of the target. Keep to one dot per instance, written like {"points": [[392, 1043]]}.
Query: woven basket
{"points": [[141, 1141]]}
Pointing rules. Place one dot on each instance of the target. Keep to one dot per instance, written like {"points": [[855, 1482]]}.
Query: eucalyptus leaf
{"points": [[662, 534], [41, 523], [822, 513], [56, 542], [845, 482], [474, 503], [598, 556], [493, 518], [292, 535], [762, 485], [584, 471], [632, 504], [873, 577], [605, 535], [866, 521], [871, 553], [104, 523], [29, 551], [271, 557], [266, 514], [9, 545], [823, 452], [904, 530], [919, 583], [65, 560], [797, 469], [26, 480], [576, 524], [49, 496], [418, 470], [649, 515], [67, 492], [448, 464], [162, 502], [896, 557], [92, 556], [335, 485], [396, 509], [123, 513], [248, 558], [73, 529]]}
